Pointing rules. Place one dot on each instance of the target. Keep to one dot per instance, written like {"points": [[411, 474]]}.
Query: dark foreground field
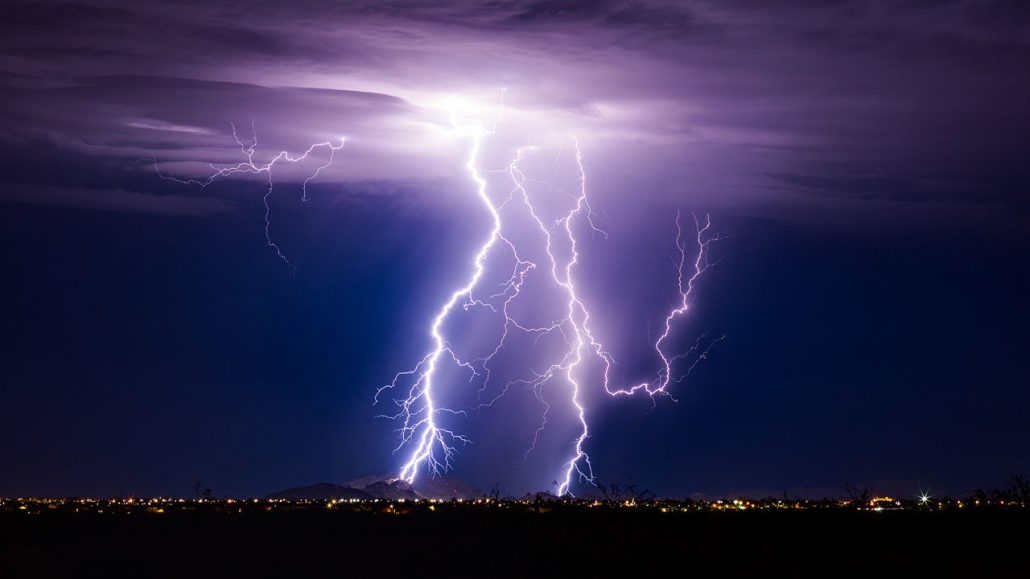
{"points": [[485, 542]]}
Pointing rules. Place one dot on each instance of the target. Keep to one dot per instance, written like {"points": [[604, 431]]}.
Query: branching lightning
{"points": [[579, 318], [659, 385], [433, 446], [250, 166]]}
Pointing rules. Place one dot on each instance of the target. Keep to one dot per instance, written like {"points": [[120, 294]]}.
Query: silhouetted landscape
{"points": [[350, 537], [353, 533]]}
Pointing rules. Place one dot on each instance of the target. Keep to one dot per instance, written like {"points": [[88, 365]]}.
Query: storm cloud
{"points": [[754, 105]]}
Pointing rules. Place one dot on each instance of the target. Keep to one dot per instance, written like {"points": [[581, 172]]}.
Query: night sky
{"points": [[868, 160]]}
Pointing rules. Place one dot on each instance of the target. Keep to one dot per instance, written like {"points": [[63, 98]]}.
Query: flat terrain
{"points": [[485, 541]]}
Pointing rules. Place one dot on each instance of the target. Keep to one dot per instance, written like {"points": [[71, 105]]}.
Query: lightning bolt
{"points": [[434, 445], [687, 278], [249, 149], [577, 319]]}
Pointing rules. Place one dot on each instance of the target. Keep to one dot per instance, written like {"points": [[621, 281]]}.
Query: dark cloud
{"points": [[688, 88], [632, 14], [905, 188], [559, 10]]}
